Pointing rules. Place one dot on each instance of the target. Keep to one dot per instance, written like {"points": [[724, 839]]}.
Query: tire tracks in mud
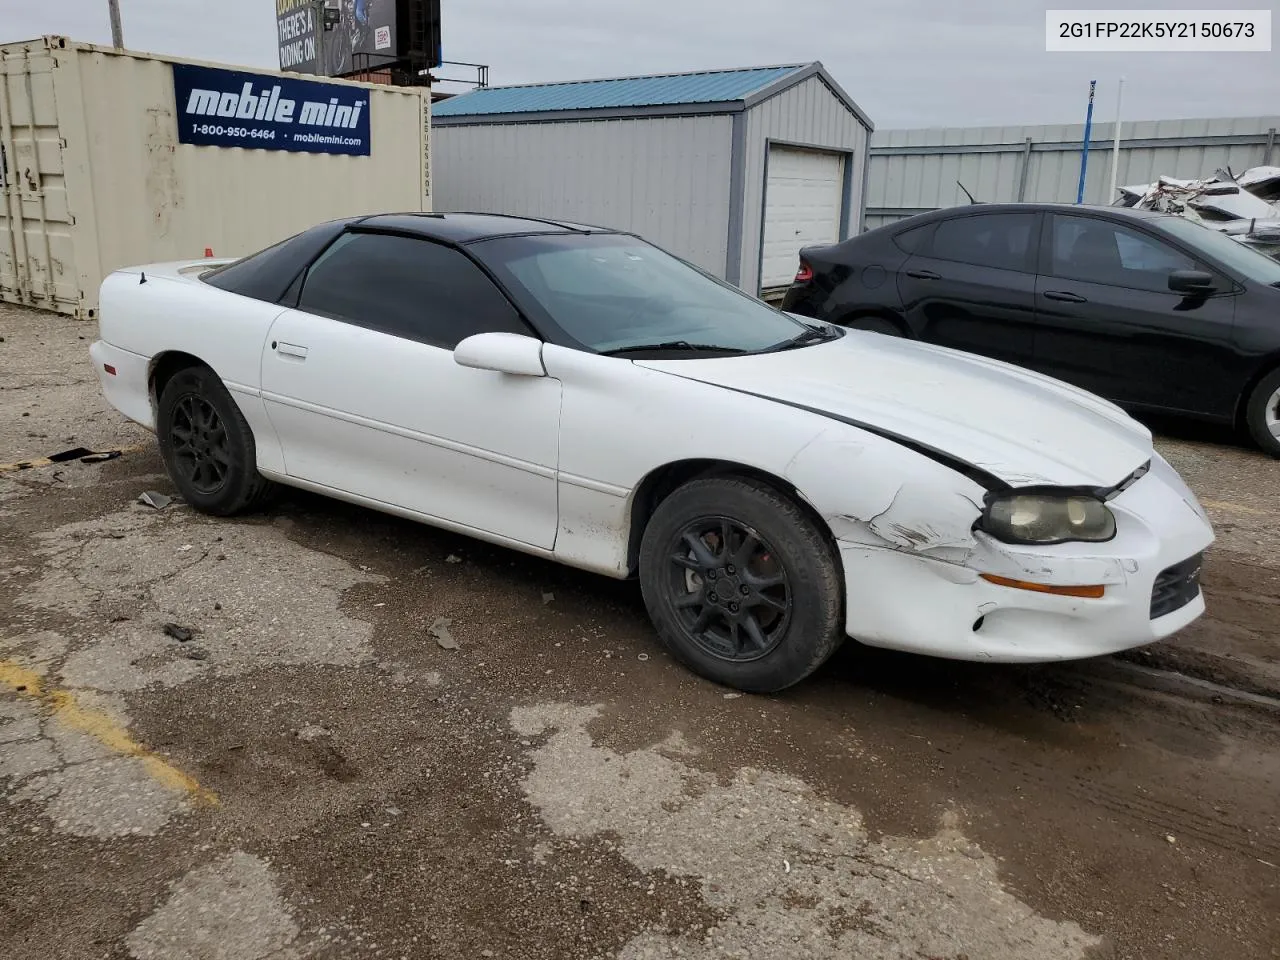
{"points": [[1131, 805]]}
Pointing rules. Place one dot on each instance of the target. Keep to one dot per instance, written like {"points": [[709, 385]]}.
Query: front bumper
{"points": [[905, 601]]}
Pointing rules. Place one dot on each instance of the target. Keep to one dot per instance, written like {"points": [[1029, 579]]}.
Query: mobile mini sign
{"points": [[231, 108]]}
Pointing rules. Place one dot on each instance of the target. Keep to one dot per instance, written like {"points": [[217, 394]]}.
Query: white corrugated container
{"points": [[93, 176]]}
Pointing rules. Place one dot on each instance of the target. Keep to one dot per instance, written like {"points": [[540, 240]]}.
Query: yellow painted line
{"points": [[64, 708], [1233, 507], [46, 462]]}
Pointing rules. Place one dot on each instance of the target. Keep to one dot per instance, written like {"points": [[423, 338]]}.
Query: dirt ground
{"points": [[310, 773]]}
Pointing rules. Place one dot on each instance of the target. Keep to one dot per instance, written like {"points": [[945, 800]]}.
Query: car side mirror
{"points": [[511, 353], [1191, 282]]}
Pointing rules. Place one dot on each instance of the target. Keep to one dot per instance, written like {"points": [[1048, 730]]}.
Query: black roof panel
{"points": [[1136, 214], [464, 227]]}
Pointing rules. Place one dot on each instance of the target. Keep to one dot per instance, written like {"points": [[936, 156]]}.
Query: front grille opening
{"points": [[1176, 586]]}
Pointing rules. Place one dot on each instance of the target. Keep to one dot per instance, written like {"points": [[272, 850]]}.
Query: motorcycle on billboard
{"points": [[348, 37]]}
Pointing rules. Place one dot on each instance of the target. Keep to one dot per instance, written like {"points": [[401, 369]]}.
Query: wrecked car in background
{"points": [[1246, 207], [578, 394]]}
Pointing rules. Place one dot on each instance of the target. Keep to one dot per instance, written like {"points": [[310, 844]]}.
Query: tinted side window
{"points": [[1098, 251], [268, 274], [406, 287], [1000, 240], [909, 241]]}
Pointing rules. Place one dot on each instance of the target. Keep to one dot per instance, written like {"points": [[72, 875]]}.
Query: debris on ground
{"points": [[181, 634], [197, 653], [153, 499], [439, 631], [84, 455], [73, 454], [1245, 207], [312, 732], [547, 598], [101, 456], [453, 558]]}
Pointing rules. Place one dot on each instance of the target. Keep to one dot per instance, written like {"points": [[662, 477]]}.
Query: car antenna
{"points": [[143, 279], [966, 192]]}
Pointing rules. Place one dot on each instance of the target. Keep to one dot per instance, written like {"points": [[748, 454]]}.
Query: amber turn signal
{"points": [[1089, 592]]}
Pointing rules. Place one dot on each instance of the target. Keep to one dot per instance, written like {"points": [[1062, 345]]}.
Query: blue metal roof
{"points": [[710, 87]]}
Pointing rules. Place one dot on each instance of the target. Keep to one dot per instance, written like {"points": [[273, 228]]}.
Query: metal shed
{"points": [[734, 170]]}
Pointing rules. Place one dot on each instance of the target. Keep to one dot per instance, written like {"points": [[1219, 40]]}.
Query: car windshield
{"points": [[1250, 263], [617, 294]]}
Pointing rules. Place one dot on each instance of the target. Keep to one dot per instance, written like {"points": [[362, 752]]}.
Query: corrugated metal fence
{"points": [[912, 171]]}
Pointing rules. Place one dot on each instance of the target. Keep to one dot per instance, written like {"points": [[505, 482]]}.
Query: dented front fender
{"points": [[873, 491]]}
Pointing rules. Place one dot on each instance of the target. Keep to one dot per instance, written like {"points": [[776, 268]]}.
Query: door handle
{"points": [[1064, 296], [289, 349], [923, 275]]}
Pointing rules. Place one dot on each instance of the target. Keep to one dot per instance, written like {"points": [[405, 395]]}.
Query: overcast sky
{"points": [[908, 63]]}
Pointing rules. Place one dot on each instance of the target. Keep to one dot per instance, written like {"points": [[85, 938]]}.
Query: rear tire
{"points": [[1262, 413], [741, 584], [207, 445]]}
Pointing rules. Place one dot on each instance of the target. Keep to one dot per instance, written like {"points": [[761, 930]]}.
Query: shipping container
{"points": [[110, 157]]}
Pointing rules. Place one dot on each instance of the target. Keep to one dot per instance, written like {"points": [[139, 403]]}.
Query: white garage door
{"points": [[802, 203]]}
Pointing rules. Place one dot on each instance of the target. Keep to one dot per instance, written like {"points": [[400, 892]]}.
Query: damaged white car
{"points": [[576, 393]]}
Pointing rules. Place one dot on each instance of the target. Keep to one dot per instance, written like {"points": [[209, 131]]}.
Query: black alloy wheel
{"points": [[199, 440], [732, 595], [742, 583], [208, 447]]}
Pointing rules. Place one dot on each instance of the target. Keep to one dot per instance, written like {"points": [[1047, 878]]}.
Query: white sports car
{"points": [[578, 394]]}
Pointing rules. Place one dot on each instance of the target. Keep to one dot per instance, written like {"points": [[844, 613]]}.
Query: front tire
{"points": [[1262, 413], [207, 445], [741, 584]]}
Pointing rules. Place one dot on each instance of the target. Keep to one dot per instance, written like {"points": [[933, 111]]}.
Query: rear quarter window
{"points": [[910, 241], [269, 274]]}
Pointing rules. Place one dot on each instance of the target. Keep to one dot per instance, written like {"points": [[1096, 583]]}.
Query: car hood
{"points": [[1019, 426]]}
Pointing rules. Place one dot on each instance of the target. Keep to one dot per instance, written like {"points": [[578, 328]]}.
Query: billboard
{"points": [[230, 108], [369, 35]]}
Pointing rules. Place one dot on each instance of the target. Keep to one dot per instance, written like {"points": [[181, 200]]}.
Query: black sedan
{"points": [[1152, 311]]}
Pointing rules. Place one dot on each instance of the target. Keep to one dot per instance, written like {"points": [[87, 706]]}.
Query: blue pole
{"points": [[1084, 151]]}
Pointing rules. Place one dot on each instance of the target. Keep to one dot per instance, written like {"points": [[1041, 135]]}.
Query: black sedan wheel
{"points": [[1263, 413], [741, 584], [207, 445]]}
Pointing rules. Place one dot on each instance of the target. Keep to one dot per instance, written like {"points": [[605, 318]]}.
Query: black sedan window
{"points": [[613, 294], [1250, 263], [1000, 240], [409, 288], [1099, 251]]}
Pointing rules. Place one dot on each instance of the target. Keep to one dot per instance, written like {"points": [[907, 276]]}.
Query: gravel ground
{"points": [[239, 740]]}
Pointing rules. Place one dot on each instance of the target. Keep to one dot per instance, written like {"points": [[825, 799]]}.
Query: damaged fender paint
{"points": [[919, 519], [874, 492], [894, 499]]}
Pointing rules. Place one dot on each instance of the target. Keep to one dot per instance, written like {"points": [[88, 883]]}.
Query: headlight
{"points": [[1048, 518]]}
